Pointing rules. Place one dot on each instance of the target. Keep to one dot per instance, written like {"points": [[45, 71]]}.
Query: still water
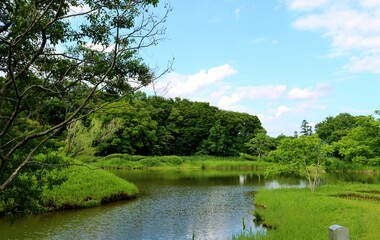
{"points": [[171, 205]]}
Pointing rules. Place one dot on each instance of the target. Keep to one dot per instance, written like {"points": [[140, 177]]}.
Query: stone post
{"points": [[337, 232]]}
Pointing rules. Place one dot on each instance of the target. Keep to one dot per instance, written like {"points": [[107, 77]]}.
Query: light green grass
{"points": [[183, 162], [86, 188], [298, 214]]}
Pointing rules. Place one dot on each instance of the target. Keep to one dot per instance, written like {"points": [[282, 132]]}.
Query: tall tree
{"points": [[75, 54], [306, 129]]}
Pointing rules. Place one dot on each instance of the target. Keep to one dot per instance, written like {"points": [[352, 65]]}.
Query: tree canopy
{"points": [[159, 126], [62, 60]]}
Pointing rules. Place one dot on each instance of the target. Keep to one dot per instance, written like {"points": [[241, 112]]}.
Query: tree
{"points": [[80, 139], [261, 144], [362, 143], [302, 156], [332, 129], [230, 132], [306, 129], [72, 62]]}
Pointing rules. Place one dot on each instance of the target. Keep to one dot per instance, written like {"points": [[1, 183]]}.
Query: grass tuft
{"points": [[87, 188]]}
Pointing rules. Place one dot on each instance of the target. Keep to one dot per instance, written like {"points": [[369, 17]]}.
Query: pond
{"points": [[171, 205]]}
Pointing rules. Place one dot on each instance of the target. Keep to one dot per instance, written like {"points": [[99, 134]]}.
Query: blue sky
{"points": [[282, 60]]}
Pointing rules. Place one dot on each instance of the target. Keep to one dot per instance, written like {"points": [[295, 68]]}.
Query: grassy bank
{"points": [[183, 162], [85, 187], [298, 214]]}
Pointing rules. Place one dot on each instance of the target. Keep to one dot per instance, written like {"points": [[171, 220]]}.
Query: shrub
{"points": [[150, 162], [374, 162], [335, 164], [248, 157], [136, 158], [117, 155], [172, 160]]}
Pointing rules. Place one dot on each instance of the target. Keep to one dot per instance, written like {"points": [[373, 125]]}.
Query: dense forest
{"points": [[157, 126]]}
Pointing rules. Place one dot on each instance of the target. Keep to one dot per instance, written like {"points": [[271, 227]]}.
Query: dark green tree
{"points": [[306, 129], [332, 129], [230, 133], [197, 120]]}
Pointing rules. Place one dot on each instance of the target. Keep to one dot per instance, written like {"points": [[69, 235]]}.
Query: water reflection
{"points": [[171, 205]]}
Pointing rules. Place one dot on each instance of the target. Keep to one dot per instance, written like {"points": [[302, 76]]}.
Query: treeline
{"points": [[143, 125], [157, 126], [337, 143], [353, 139]]}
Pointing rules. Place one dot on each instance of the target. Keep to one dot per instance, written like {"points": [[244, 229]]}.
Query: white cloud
{"points": [[251, 93], [189, 85], [100, 48], [370, 3], [281, 110], [266, 91], [261, 117], [301, 5], [275, 41], [364, 64], [237, 13], [309, 106], [227, 101], [319, 91], [353, 28], [342, 23], [79, 9]]}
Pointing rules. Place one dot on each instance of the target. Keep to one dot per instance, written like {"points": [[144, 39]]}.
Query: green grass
{"points": [[87, 188], [298, 214], [183, 162]]}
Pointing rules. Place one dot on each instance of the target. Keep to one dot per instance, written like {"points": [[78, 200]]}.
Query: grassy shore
{"points": [[298, 214], [86, 187], [183, 162], [90, 185]]}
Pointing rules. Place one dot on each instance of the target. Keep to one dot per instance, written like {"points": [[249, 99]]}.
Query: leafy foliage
{"points": [[332, 129], [158, 126], [362, 143], [261, 144], [298, 155], [60, 61], [25, 194]]}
